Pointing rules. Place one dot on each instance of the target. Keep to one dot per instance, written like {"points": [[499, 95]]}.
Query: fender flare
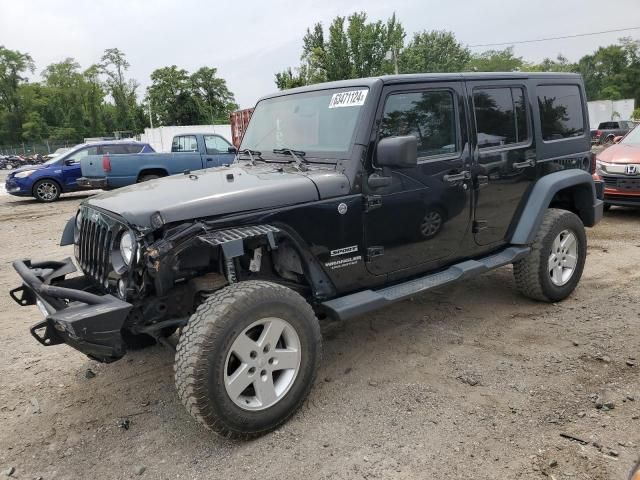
{"points": [[67, 233], [589, 207]]}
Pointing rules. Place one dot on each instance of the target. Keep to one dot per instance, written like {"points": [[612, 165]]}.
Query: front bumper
{"points": [[88, 182], [15, 188], [88, 322]]}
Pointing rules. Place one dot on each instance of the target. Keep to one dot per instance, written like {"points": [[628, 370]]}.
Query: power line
{"points": [[555, 38]]}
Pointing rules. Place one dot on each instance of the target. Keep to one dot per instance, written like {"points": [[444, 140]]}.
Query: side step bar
{"points": [[367, 300]]}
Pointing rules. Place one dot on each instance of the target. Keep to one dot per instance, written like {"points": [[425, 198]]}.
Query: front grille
{"points": [[622, 183], [95, 244]]}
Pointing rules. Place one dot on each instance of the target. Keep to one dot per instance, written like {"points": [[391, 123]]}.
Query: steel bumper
{"points": [[88, 322], [86, 182]]}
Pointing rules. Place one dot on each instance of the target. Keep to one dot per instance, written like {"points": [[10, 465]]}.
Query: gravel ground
{"points": [[468, 381]]}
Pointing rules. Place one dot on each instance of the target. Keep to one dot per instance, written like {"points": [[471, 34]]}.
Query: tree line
{"points": [[354, 47], [71, 103]]}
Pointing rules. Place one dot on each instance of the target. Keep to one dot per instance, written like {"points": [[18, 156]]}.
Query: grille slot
{"points": [[94, 246]]}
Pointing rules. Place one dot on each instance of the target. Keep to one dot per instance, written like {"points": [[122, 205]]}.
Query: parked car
{"points": [[619, 167], [59, 175], [608, 131], [312, 221], [188, 153], [57, 152]]}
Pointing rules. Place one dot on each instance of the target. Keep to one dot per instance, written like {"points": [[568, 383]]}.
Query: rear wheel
{"points": [[146, 178], [247, 358], [553, 268], [46, 190]]}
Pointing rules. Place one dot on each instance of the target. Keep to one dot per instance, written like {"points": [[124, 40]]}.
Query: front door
{"points": [[217, 151], [505, 152], [423, 215]]}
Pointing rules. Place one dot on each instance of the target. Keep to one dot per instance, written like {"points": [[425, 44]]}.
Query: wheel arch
{"points": [[571, 190], [162, 172]]}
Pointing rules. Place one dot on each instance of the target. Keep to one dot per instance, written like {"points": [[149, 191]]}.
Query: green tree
{"points": [[214, 99], [123, 92], [495, 61], [170, 97], [65, 107], [13, 65], [354, 48], [35, 128], [434, 51], [93, 97]]}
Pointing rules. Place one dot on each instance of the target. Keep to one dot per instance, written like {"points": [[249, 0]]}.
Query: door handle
{"points": [[525, 164], [457, 177]]}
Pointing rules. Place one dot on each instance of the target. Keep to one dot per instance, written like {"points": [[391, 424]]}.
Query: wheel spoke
{"points": [[265, 390], [271, 334], [552, 261], [570, 261], [286, 359], [569, 241], [557, 274], [240, 380], [556, 244], [243, 346]]}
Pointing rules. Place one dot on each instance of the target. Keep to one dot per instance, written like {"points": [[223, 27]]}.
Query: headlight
{"points": [[126, 247], [602, 165], [24, 174]]}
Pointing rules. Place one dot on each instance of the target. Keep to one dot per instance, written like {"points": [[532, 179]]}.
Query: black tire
{"points": [[46, 190], [146, 178], [205, 345], [532, 273], [606, 207]]}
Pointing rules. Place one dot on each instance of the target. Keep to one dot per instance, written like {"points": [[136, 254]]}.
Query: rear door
{"points": [[186, 155], [216, 151], [505, 154], [422, 217]]}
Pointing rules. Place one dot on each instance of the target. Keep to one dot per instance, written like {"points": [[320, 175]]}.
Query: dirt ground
{"points": [[469, 381]]}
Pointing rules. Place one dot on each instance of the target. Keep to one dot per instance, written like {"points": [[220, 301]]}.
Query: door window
{"points": [[80, 154], [429, 116], [184, 143], [501, 118], [215, 144], [561, 113]]}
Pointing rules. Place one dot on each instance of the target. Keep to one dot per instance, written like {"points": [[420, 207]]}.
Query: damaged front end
{"points": [[74, 313]]}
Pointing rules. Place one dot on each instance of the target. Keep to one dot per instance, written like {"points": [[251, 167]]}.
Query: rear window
{"points": [[500, 116], [561, 112], [608, 125], [184, 143]]}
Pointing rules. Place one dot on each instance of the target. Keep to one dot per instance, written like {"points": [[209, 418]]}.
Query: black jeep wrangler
{"points": [[343, 198]]}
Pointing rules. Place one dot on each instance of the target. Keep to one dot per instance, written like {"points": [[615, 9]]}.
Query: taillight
{"points": [[106, 163], [598, 133]]}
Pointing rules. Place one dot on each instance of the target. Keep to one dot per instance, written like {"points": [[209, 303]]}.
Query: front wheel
{"points": [[553, 268], [46, 191], [247, 358]]}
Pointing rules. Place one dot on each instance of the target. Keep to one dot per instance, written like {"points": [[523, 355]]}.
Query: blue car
{"points": [[60, 174]]}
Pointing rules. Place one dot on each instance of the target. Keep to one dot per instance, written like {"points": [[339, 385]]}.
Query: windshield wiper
{"points": [[297, 155], [252, 155]]}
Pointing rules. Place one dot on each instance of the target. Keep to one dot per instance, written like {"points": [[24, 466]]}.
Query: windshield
{"points": [[320, 123], [633, 137], [64, 156]]}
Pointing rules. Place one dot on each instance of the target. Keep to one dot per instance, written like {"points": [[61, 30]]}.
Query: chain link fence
{"points": [[28, 148]]}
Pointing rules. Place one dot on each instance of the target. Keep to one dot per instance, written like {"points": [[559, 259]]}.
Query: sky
{"points": [[248, 41]]}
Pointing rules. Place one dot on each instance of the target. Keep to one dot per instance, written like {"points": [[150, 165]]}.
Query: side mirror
{"points": [[232, 150], [618, 138], [70, 162], [399, 152]]}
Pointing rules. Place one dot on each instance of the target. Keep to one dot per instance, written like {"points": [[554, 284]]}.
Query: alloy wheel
{"points": [[563, 258], [47, 191], [262, 364]]}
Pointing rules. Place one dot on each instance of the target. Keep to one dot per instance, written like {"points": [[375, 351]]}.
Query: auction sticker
{"points": [[352, 98]]}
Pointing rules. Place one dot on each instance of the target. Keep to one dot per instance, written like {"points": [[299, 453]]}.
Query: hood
{"points": [[621, 153], [27, 167], [220, 191]]}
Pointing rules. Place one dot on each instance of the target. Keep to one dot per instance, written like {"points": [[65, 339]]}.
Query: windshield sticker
{"points": [[353, 98]]}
